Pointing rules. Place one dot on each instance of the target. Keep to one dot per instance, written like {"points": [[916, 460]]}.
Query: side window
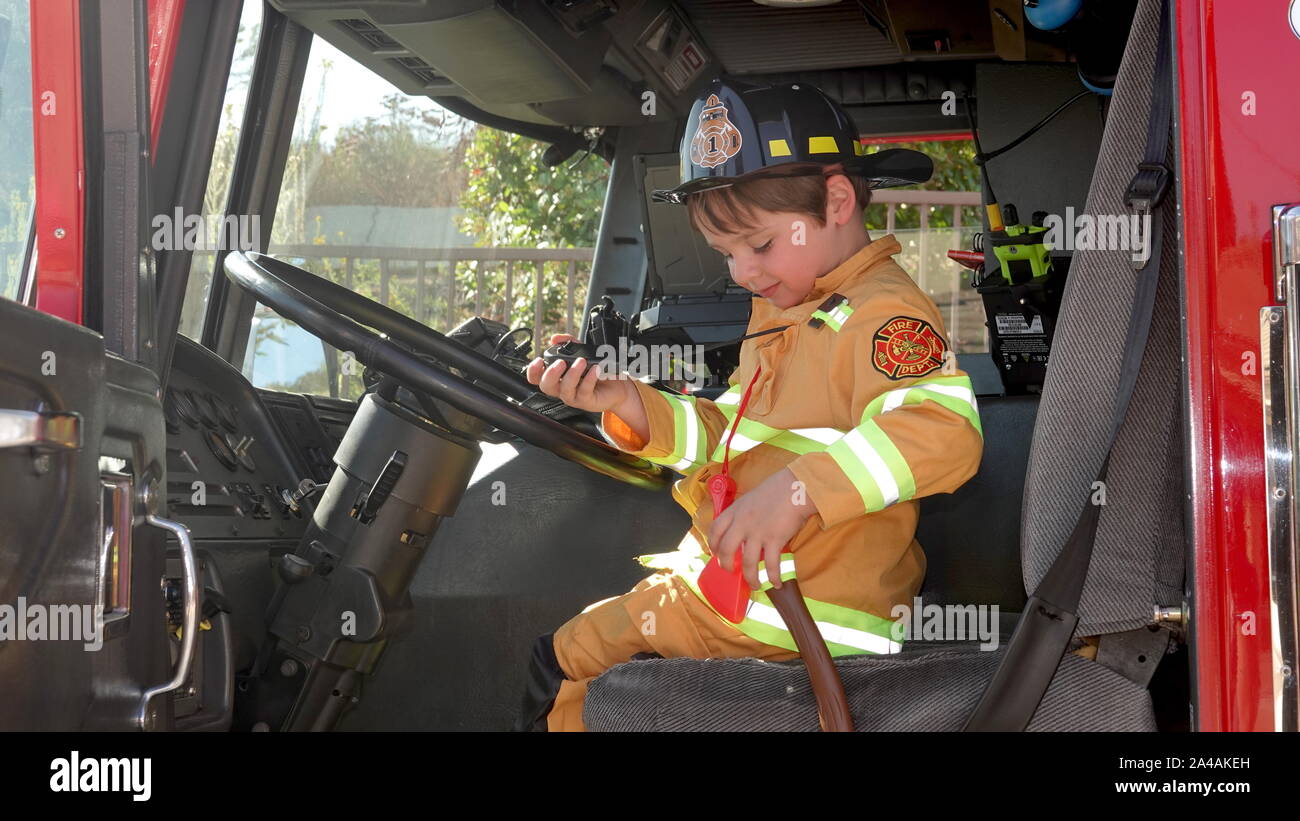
{"points": [[407, 204], [943, 215], [223, 157], [17, 169]]}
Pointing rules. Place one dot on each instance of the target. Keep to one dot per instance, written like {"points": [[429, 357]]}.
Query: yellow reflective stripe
{"points": [[951, 392], [893, 399], [786, 571], [689, 453], [823, 145], [824, 436], [859, 640], [751, 434], [778, 148], [846, 631], [856, 456], [835, 318], [689, 436]]}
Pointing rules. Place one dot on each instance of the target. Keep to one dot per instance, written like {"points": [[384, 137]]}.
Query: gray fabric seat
{"points": [[1138, 559], [933, 690]]}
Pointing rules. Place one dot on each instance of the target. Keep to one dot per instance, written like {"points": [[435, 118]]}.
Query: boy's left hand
{"points": [[764, 520]]}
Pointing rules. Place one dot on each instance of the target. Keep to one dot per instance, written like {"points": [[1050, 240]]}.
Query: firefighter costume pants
{"points": [[660, 615]]}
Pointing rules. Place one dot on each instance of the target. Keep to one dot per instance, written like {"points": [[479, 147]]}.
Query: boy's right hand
{"points": [[578, 387]]}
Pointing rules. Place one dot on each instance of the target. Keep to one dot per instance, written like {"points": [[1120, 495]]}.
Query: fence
{"points": [[444, 286], [925, 257], [546, 288]]}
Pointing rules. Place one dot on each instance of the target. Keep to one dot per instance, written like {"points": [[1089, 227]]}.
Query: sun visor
{"points": [[498, 53]]}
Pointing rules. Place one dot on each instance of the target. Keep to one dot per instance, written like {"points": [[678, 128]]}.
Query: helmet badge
{"points": [[716, 139]]}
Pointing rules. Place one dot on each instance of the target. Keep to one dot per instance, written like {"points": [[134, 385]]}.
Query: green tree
{"points": [[954, 170], [514, 199], [409, 157]]}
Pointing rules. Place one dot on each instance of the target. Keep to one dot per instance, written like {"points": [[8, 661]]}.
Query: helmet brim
{"points": [[890, 168]]}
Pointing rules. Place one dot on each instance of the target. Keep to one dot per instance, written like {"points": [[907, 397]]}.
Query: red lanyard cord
{"points": [[726, 451]]}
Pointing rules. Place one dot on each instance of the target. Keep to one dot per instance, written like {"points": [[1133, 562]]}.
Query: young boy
{"points": [[856, 408]]}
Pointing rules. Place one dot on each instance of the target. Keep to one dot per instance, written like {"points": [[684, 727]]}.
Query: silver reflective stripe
{"points": [[692, 438], [848, 636], [741, 443], [826, 436], [895, 398], [787, 566], [876, 466], [955, 391], [731, 397]]}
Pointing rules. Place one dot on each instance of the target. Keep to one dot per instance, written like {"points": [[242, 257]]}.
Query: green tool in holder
{"points": [[1021, 250]]}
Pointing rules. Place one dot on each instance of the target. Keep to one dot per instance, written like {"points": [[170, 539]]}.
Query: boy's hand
{"points": [[764, 520], [578, 387]]}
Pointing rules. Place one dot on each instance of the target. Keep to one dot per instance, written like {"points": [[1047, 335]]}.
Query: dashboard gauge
{"points": [[224, 452], [171, 416], [223, 411], [201, 409], [184, 407], [240, 449]]}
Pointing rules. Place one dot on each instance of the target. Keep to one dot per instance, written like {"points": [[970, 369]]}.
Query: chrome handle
{"points": [[39, 429], [189, 622]]}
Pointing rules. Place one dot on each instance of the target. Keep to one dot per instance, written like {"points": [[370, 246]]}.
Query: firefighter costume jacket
{"points": [[868, 410]]}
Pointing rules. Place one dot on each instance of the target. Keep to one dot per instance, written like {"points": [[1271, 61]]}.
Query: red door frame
{"points": [[59, 157], [1238, 123], [164, 32], [58, 139]]}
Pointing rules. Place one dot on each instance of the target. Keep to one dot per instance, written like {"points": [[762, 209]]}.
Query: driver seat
{"points": [[1138, 559]]}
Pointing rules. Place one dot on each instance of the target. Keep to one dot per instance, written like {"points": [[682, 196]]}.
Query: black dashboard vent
{"points": [[370, 34], [419, 69]]}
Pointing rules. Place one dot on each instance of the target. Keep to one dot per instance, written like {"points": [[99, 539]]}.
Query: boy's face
{"points": [[781, 259]]}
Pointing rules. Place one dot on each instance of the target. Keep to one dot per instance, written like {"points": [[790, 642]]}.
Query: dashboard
{"points": [[236, 454]]}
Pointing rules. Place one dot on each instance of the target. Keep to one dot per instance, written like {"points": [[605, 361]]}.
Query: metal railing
{"points": [[444, 286], [925, 257], [449, 285]]}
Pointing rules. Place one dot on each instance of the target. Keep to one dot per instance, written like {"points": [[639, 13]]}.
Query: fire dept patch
{"points": [[716, 139], [906, 347]]}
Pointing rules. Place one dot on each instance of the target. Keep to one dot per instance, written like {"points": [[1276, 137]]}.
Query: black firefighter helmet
{"points": [[736, 128]]}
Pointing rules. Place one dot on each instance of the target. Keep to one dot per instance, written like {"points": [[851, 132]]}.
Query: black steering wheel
{"points": [[336, 315]]}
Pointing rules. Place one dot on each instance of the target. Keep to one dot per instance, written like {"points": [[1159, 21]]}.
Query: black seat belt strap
{"points": [[1051, 615]]}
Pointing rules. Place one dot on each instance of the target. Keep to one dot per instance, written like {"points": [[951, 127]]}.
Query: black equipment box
{"points": [[1021, 319]]}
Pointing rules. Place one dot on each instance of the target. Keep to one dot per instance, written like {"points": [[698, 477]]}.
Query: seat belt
{"points": [[1051, 615]]}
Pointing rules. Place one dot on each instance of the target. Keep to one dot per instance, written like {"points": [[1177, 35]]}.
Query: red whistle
{"points": [[727, 592]]}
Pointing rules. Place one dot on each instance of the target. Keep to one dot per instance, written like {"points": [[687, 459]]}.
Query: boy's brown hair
{"points": [[727, 210]]}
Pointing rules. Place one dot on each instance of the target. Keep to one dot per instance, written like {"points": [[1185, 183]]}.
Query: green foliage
{"points": [[394, 160], [513, 199], [954, 170]]}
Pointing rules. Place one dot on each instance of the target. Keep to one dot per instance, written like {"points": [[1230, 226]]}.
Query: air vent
{"points": [[370, 35], [419, 69]]}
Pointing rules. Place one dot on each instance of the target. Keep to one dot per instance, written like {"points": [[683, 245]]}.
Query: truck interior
{"points": [[400, 529]]}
